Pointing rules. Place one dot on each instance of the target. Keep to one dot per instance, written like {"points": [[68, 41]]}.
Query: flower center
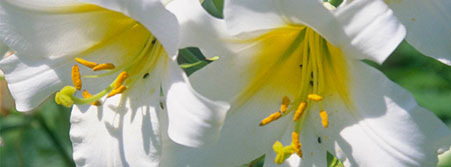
{"points": [[140, 58], [300, 63]]}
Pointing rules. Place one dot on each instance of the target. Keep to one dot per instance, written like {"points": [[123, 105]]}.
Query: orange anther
{"points": [[117, 91], [76, 78], [299, 111], [120, 80], [314, 97], [324, 119], [296, 143], [270, 118], [86, 63], [106, 66], [285, 103]]}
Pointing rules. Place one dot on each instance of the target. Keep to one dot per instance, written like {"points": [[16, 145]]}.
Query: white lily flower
{"points": [[293, 75], [121, 49]]}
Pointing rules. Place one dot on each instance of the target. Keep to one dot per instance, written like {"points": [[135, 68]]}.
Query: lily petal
{"points": [[372, 30], [428, 30], [193, 119], [241, 141], [387, 127], [199, 27], [124, 131], [153, 15], [26, 83]]}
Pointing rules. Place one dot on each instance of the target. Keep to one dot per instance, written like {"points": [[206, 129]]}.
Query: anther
{"points": [[285, 103], [86, 94], [296, 143], [86, 63], [314, 97], [76, 78], [106, 66], [117, 91], [299, 111], [270, 118], [324, 119], [120, 80]]}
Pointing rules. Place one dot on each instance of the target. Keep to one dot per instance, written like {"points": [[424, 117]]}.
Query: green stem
{"points": [[67, 158]]}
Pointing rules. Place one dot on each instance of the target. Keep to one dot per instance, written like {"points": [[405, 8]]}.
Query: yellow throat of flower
{"points": [[132, 67], [299, 62]]}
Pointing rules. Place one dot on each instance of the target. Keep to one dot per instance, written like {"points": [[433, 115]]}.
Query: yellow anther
{"points": [[285, 103], [76, 78], [270, 118], [324, 119], [282, 152], [86, 63], [117, 91], [120, 80], [299, 111], [106, 66], [296, 143], [314, 97], [86, 94]]}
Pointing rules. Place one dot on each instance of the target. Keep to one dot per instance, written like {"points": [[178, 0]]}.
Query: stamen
{"points": [[86, 63], [296, 143], [270, 118], [106, 66], [324, 119], [315, 97], [86, 94], [120, 79], [76, 78], [117, 91], [299, 111], [285, 103]]}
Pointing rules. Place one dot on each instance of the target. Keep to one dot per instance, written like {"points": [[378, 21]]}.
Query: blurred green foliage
{"points": [[41, 138]]}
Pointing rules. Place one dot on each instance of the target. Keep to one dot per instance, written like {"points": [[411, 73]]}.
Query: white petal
{"points": [[153, 15], [198, 28], [371, 29], [242, 139], [124, 131], [427, 24], [387, 127], [248, 15], [193, 119], [46, 49], [31, 81]]}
